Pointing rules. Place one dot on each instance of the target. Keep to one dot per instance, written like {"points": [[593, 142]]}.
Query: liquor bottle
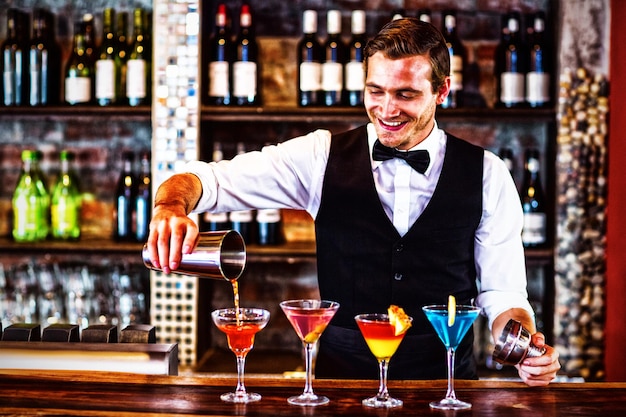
{"points": [[124, 197], [269, 227], [138, 64], [30, 202], [123, 52], [334, 60], [354, 70], [242, 220], [398, 14], [108, 66], [539, 68], [143, 200], [66, 201], [89, 32], [506, 154], [44, 61], [457, 60], [14, 61], [246, 68], [220, 58], [510, 64], [309, 62], [217, 221], [78, 71], [424, 15], [533, 202]]}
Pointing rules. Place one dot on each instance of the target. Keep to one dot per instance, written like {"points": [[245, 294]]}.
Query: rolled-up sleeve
{"points": [[499, 253]]}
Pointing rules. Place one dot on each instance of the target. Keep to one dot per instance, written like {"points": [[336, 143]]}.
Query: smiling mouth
{"points": [[391, 125]]}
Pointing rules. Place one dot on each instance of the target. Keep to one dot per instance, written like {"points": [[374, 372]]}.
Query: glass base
{"points": [[377, 402], [450, 404], [248, 397], [308, 400]]}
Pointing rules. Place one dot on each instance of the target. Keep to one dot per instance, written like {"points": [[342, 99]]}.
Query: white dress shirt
{"points": [[291, 174]]}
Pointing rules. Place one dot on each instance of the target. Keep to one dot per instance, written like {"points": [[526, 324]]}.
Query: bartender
{"points": [[405, 213]]}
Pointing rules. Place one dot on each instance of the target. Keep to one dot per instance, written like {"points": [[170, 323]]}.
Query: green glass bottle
{"points": [[30, 202], [79, 71], [66, 201], [108, 65], [138, 64]]}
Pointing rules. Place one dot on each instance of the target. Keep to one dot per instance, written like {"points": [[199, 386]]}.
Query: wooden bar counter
{"points": [[71, 393]]}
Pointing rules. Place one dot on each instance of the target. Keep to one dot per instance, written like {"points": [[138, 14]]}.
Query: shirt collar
{"points": [[433, 144]]}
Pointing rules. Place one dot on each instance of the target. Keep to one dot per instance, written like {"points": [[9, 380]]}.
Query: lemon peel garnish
{"points": [[451, 310]]}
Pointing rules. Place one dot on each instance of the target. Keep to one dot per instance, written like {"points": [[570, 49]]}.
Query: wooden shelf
{"points": [[76, 113]]}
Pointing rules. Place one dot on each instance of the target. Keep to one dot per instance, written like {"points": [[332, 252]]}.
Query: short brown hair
{"points": [[408, 37]]}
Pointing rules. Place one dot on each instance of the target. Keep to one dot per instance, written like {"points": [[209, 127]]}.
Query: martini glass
{"points": [[240, 326], [451, 335], [309, 319], [379, 334]]}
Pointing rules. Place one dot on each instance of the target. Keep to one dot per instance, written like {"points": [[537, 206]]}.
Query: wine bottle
{"points": [[138, 65], [217, 221], [510, 64], [220, 58], [309, 62], [123, 52], [66, 201], [334, 60], [457, 61], [242, 220], [398, 14], [269, 230], [506, 154], [354, 71], [424, 15], [44, 61], [533, 202], [30, 202], [124, 197], [539, 68], [143, 200], [108, 66], [78, 71], [246, 66], [14, 61]]}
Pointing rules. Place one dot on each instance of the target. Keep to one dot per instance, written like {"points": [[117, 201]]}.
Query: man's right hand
{"points": [[172, 232]]}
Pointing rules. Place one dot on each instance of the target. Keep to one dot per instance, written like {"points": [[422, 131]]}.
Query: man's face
{"points": [[399, 99]]}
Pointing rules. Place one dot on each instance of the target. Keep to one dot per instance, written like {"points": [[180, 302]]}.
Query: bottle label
{"points": [[244, 79], [216, 217], [244, 216], [332, 76], [355, 76], [534, 231], [512, 87], [456, 72], [8, 88], [537, 87], [77, 90], [268, 216], [218, 79], [310, 76], [105, 79], [136, 78]]}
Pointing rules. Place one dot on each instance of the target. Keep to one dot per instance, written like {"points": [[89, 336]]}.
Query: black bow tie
{"points": [[418, 160]]}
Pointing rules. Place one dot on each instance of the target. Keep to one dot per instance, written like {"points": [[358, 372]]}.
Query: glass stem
{"points": [[383, 394], [240, 391], [450, 394], [308, 367]]}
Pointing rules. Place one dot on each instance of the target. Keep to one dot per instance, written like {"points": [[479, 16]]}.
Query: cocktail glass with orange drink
{"points": [[383, 334], [309, 319], [240, 326]]}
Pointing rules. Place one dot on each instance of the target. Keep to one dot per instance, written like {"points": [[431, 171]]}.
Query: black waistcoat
{"points": [[365, 265]]}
